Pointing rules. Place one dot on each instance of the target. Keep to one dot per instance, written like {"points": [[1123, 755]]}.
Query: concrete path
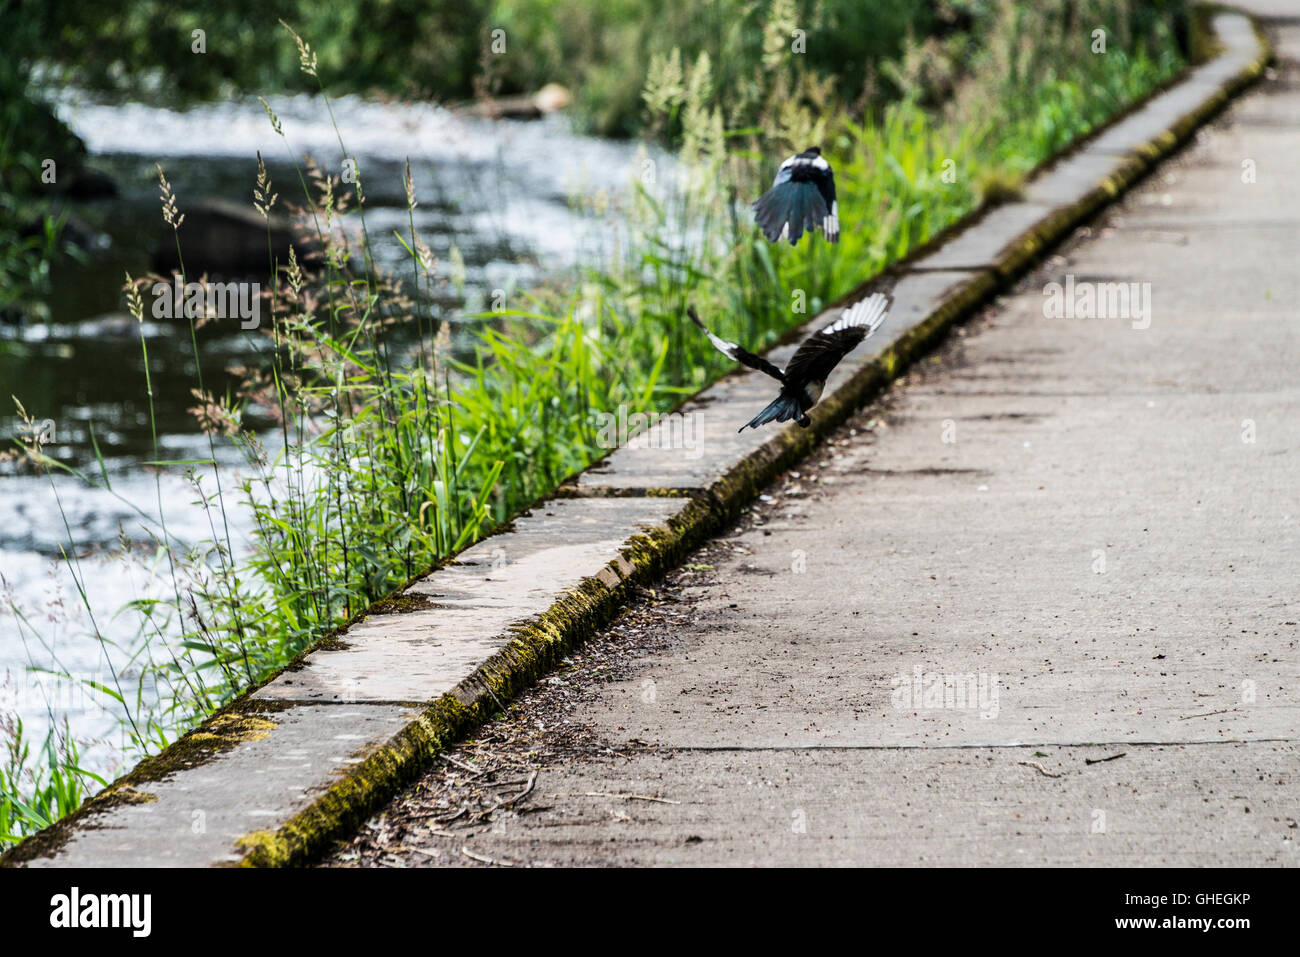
{"points": [[1092, 524]]}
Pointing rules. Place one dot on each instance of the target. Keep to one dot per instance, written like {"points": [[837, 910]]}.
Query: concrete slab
{"points": [[1136, 132], [999, 235], [1083, 174], [691, 450], [1243, 292], [1255, 166], [193, 816], [1155, 806], [470, 608], [976, 557]]}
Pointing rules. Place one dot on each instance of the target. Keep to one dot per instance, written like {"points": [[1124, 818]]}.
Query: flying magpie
{"points": [[801, 198], [804, 378]]}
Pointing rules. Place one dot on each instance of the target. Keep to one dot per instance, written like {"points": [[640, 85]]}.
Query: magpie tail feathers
{"points": [[788, 209], [781, 409]]}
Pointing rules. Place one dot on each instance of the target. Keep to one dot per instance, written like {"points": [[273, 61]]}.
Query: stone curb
{"points": [[419, 671]]}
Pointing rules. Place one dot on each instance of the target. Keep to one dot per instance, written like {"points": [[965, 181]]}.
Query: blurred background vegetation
{"points": [[859, 57], [600, 49]]}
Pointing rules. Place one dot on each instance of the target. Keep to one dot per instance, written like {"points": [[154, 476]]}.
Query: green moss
{"points": [[242, 720], [401, 603], [1202, 42], [132, 796]]}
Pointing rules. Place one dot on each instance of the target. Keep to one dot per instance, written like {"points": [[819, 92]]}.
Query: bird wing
{"points": [[789, 210], [738, 353], [822, 351]]}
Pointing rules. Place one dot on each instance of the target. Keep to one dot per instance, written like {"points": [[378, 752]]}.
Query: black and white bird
{"points": [[804, 378], [801, 198]]}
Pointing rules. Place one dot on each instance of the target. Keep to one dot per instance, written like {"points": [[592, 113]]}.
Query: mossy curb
{"points": [[538, 644], [243, 719]]}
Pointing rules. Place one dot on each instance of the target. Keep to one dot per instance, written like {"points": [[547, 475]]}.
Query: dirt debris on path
{"points": [[492, 777]]}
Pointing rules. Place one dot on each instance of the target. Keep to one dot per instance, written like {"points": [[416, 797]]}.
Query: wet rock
{"points": [[219, 236], [87, 184], [507, 108], [548, 99], [79, 233], [552, 97]]}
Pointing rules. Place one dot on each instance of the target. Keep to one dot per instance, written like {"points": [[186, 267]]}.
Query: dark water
{"points": [[494, 206]]}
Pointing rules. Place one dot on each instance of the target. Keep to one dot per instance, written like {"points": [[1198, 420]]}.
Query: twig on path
{"points": [[477, 772], [425, 815], [612, 794], [1040, 769], [445, 818], [511, 799], [486, 860], [528, 788], [1184, 717], [1104, 760]]}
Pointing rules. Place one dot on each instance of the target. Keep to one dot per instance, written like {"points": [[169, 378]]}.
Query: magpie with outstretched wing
{"points": [[801, 198], [804, 378]]}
